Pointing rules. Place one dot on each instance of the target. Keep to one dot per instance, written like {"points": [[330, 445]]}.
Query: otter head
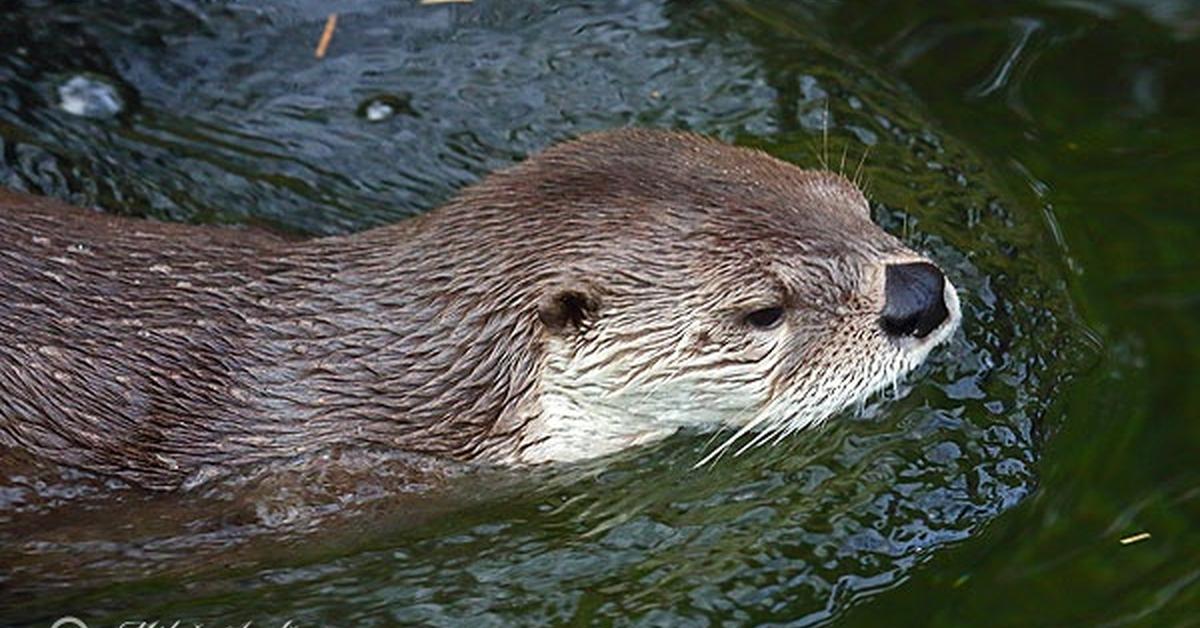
{"points": [[703, 284]]}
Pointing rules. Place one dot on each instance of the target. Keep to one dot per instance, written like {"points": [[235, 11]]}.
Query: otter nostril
{"points": [[915, 301]]}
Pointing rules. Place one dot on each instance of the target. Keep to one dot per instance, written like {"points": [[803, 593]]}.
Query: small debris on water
{"points": [[90, 97], [1130, 540], [380, 108], [446, 1], [326, 36]]}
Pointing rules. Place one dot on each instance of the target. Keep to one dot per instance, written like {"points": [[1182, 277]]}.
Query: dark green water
{"points": [[1045, 153]]}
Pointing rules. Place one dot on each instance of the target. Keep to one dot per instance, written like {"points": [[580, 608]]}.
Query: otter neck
{"points": [[383, 347]]}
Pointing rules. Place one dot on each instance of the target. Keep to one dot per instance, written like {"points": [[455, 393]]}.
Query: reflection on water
{"points": [[1096, 120], [236, 119], [225, 115]]}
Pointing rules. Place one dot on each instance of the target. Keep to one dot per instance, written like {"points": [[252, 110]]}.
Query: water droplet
{"points": [[90, 97]]}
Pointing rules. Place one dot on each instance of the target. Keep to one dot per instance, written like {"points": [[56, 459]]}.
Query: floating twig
{"points": [[326, 35], [1140, 536]]}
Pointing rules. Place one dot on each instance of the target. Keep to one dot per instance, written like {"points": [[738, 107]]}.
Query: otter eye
{"points": [[766, 318]]}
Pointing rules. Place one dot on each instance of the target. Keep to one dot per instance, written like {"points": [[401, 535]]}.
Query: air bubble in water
{"points": [[90, 97], [381, 108]]}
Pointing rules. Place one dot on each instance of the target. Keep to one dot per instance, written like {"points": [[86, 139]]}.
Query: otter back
{"points": [[596, 296]]}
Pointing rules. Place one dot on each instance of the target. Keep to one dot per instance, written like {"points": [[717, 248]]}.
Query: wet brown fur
{"points": [[152, 351]]}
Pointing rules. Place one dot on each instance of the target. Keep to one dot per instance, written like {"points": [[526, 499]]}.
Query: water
{"points": [[1044, 153]]}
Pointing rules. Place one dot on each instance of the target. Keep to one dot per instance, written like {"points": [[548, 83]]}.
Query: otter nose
{"points": [[915, 301]]}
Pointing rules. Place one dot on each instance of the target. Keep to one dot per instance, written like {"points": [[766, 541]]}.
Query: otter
{"points": [[596, 296]]}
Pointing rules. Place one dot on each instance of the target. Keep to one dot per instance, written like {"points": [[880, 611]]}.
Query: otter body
{"points": [[596, 296]]}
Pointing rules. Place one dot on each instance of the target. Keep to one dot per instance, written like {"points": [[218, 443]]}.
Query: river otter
{"points": [[598, 295]]}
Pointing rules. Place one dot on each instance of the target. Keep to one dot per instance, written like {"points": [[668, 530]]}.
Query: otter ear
{"points": [[567, 309]]}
